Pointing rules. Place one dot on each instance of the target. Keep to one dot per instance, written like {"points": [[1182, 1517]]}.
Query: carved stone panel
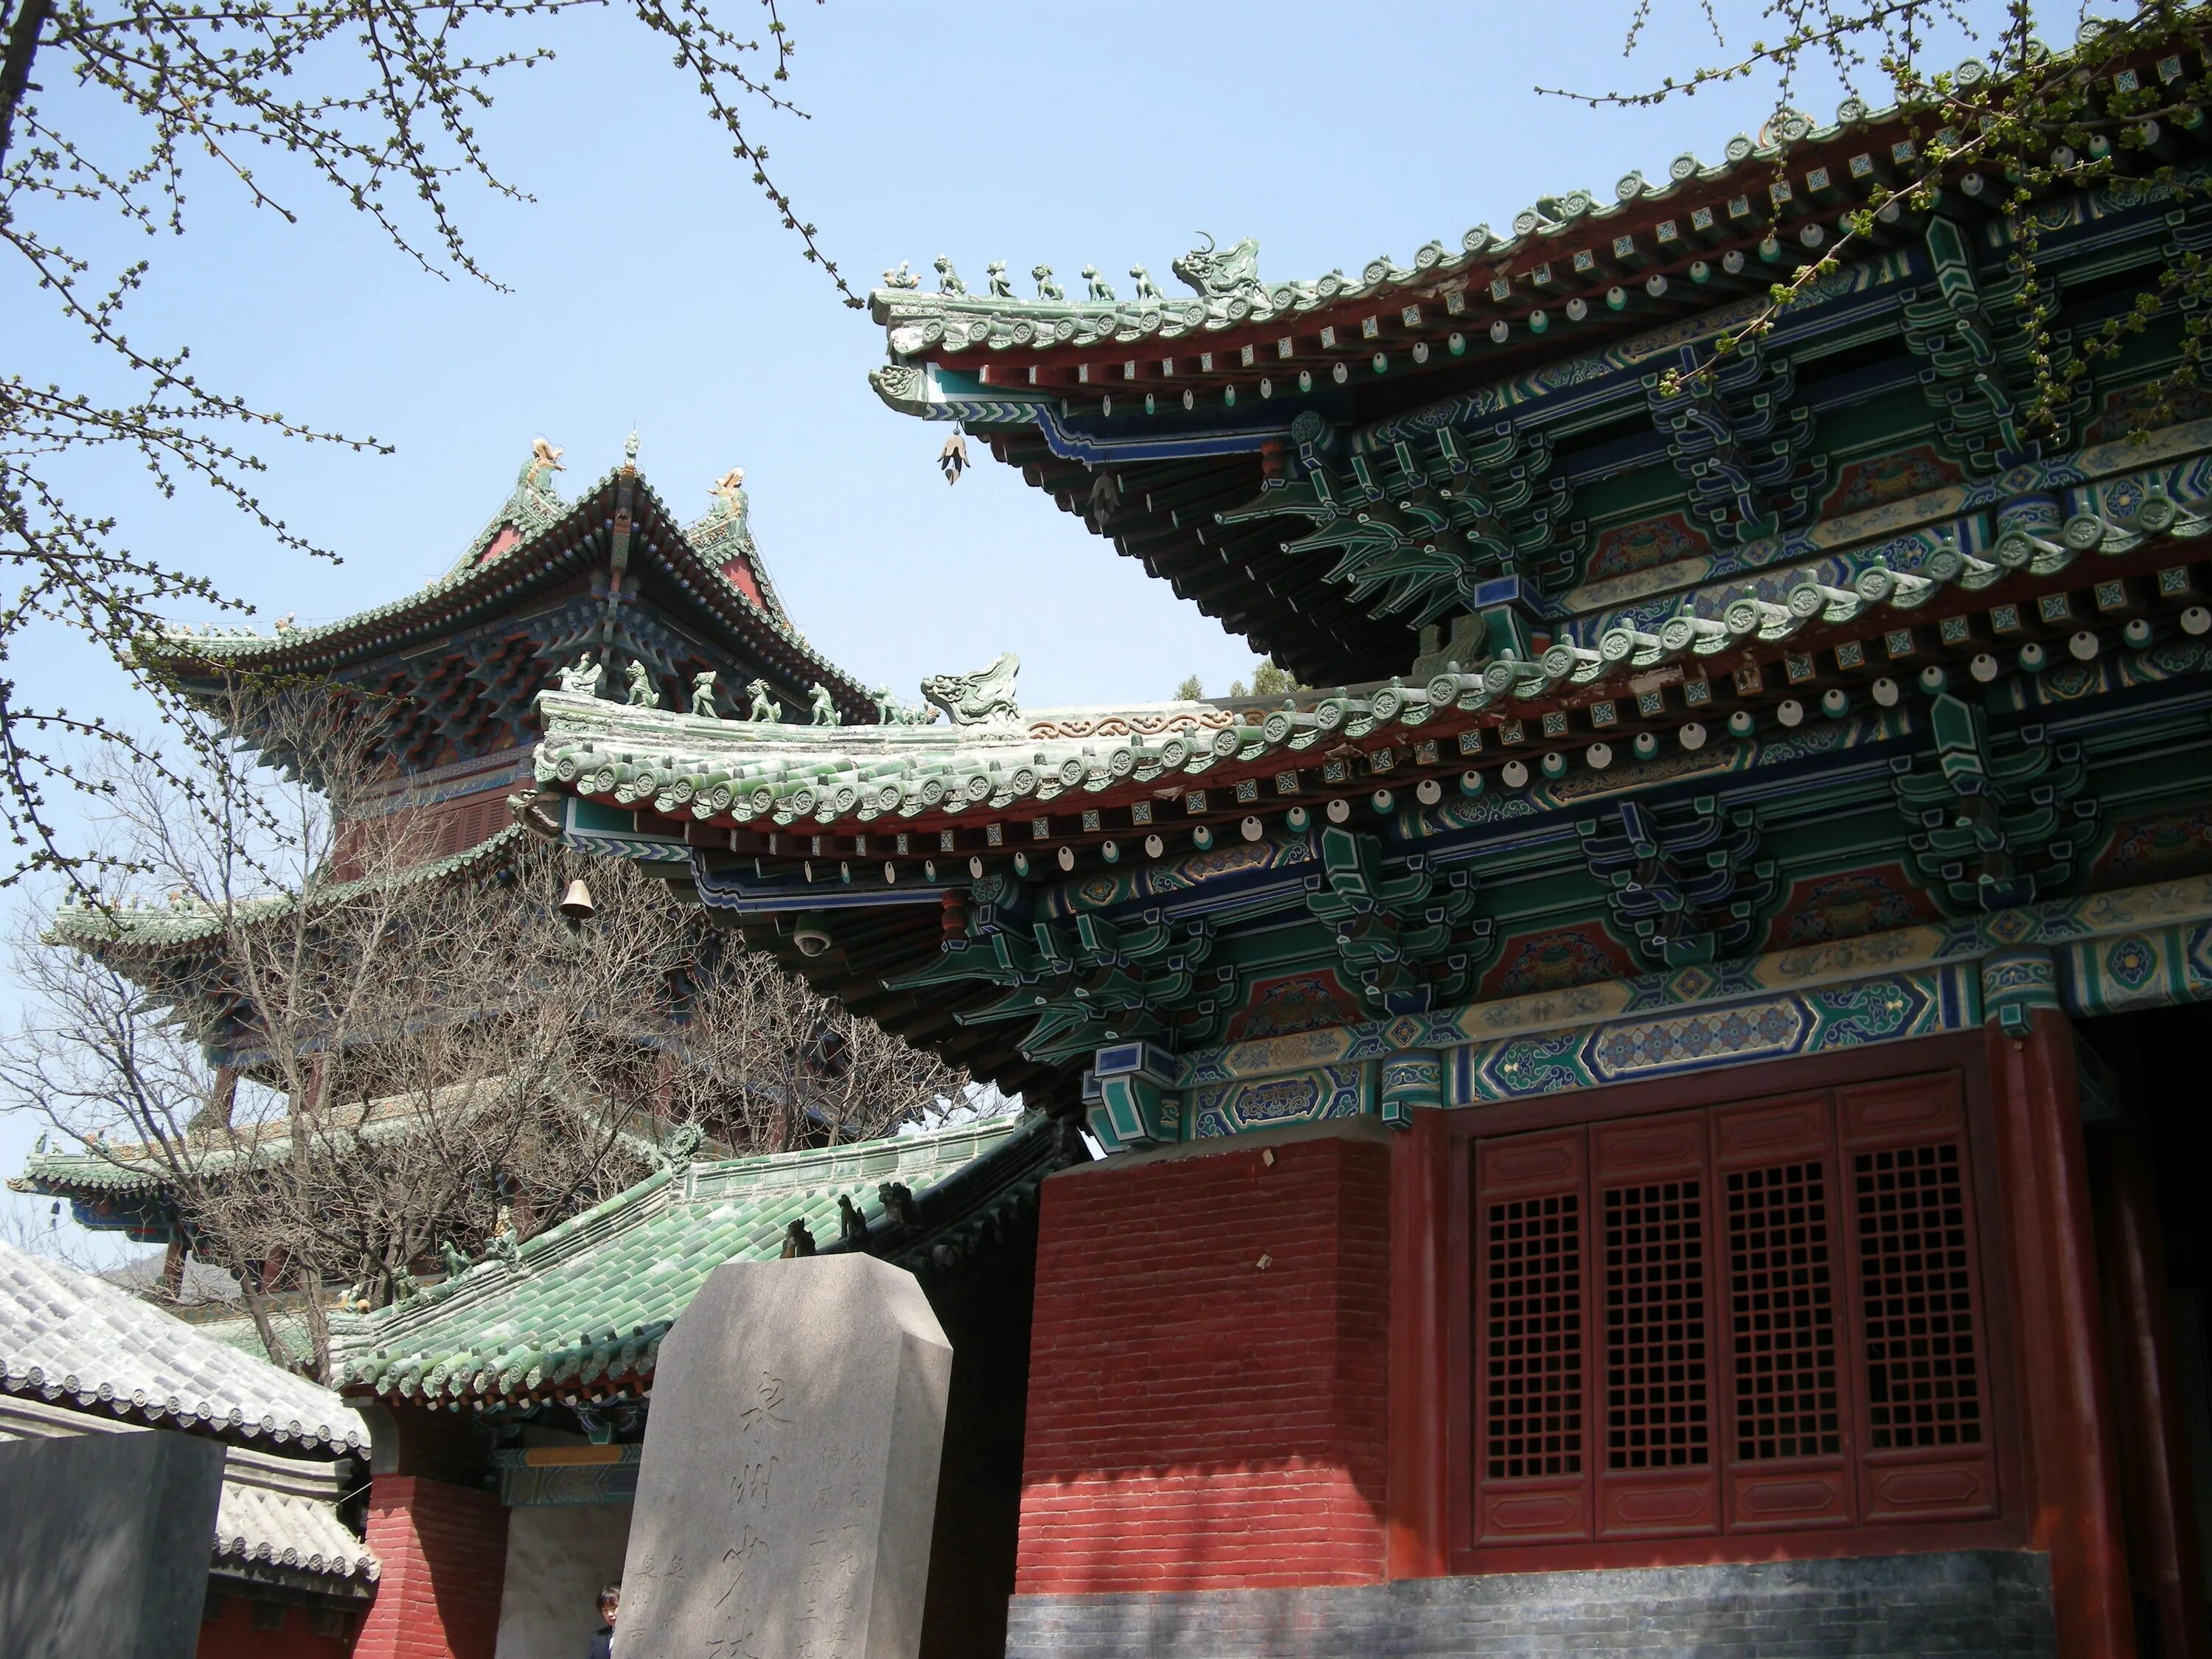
{"points": [[789, 1479]]}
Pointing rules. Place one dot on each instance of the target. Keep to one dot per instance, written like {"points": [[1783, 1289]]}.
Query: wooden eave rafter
{"points": [[1293, 612], [903, 941]]}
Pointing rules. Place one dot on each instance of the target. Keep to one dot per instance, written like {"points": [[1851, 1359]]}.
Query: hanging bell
{"points": [[953, 458], [576, 902]]}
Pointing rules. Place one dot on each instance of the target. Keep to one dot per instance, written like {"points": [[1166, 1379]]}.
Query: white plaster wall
{"points": [[557, 1557]]}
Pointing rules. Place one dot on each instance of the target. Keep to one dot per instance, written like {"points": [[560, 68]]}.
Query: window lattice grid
{"points": [[1657, 1387], [1923, 1386], [1533, 1336], [1783, 1312]]}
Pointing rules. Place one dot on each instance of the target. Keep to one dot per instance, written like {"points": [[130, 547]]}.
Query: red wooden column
{"points": [[440, 1535], [2074, 1506], [2161, 1514], [1416, 1544]]}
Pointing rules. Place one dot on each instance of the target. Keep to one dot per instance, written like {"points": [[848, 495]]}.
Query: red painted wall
{"points": [[1196, 1419], [444, 1552], [231, 1635]]}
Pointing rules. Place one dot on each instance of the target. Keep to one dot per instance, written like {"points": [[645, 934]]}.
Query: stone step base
{"points": [[1967, 1604]]}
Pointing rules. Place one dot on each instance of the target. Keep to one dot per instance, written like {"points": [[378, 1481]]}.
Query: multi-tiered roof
{"points": [[1625, 659], [451, 669], [1332, 465]]}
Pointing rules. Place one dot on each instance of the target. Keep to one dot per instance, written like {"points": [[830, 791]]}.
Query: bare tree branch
{"points": [[341, 1069], [373, 101]]}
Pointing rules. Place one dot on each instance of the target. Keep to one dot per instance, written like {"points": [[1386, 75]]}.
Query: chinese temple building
{"points": [[685, 615], [1648, 1105], [505, 1399]]}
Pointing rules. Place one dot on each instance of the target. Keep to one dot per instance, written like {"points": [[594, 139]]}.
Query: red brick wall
{"points": [[444, 1552], [1197, 1420], [231, 1635]]}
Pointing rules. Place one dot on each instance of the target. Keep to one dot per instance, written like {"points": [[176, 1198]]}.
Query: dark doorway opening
{"points": [[985, 1311], [2147, 1119]]}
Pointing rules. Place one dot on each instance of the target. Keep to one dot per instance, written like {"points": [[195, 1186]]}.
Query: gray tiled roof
{"points": [[280, 1512], [70, 1338], [278, 1516]]}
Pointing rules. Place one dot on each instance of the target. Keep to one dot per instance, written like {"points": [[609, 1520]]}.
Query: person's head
{"points": [[609, 1602]]}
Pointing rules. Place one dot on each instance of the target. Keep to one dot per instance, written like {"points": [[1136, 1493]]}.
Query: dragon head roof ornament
{"points": [[983, 698], [532, 506], [1221, 273]]}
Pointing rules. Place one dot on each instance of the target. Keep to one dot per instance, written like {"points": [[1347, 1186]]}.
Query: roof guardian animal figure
{"points": [[797, 1239], [643, 694], [1147, 288], [764, 708], [899, 1204], [729, 490], [680, 1147], [1047, 288], [1000, 288], [1100, 289], [852, 1225], [948, 280], [825, 707], [702, 694], [1221, 273]]}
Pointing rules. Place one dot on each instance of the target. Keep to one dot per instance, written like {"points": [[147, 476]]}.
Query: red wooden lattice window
{"points": [[1743, 1319], [466, 822]]}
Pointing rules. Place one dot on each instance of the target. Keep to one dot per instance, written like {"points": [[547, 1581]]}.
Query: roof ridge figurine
{"points": [[531, 506], [852, 1225], [583, 677], [643, 693], [985, 697], [1221, 273], [889, 711]]}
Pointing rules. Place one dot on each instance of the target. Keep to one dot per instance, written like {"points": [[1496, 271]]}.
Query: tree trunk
{"points": [[15, 66]]}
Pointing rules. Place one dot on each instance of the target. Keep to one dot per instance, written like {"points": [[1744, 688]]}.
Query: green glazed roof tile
{"points": [[585, 1304]]}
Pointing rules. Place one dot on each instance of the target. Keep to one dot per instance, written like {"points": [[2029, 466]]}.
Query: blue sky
{"points": [[652, 288]]}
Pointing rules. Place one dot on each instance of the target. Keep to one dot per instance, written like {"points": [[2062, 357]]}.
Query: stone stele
{"points": [[789, 1479]]}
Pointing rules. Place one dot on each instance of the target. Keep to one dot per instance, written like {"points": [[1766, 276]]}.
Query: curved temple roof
{"points": [[689, 565], [1228, 299], [1596, 680], [1576, 242], [1329, 466], [579, 1313], [70, 1338]]}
